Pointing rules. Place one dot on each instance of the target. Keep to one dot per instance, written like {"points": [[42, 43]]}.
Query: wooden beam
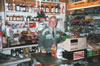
{"points": [[1, 5]]}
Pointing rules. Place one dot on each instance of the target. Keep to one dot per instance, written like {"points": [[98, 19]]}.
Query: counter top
{"points": [[46, 59]]}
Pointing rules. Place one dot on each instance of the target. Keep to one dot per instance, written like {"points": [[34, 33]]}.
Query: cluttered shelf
{"points": [[23, 46], [14, 61]]}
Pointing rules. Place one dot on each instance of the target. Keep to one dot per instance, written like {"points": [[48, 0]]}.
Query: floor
{"points": [[94, 62]]}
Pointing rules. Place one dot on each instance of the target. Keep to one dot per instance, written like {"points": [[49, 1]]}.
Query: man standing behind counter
{"points": [[50, 36]]}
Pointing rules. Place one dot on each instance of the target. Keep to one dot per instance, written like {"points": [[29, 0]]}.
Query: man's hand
{"points": [[43, 51], [53, 46], [53, 50]]}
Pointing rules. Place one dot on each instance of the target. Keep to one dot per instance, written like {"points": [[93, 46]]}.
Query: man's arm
{"points": [[41, 42]]}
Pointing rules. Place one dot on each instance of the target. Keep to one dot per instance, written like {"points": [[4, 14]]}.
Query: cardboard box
{"points": [[73, 44], [96, 52], [75, 55], [89, 52], [99, 51]]}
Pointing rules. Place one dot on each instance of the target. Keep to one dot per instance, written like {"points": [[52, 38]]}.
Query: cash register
{"points": [[74, 48]]}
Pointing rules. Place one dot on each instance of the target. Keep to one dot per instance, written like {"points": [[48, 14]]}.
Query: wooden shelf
{"points": [[20, 13], [52, 13], [50, 2], [20, 47], [98, 14], [16, 22], [86, 20], [84, 7]]}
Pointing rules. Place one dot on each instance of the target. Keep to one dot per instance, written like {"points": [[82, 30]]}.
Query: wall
{"points": [[66, 1]]}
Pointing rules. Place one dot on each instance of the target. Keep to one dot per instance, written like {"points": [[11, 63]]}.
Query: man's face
{"points": [[52, 22]]}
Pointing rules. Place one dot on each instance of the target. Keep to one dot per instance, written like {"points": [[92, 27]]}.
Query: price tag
{"points": [[78, 55]]}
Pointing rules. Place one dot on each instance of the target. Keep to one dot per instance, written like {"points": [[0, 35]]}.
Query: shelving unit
{"points": [[35, 6], [81, 10], [88, 20]]}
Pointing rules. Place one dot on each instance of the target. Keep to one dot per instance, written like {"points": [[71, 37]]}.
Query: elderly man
{"points": [[50, 36]]}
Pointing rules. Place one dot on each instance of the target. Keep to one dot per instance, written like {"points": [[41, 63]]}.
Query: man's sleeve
{"points": [[61, 35], [41, 41]]}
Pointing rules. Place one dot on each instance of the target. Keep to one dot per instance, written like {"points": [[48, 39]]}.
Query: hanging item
{"points": [[32, 25]]}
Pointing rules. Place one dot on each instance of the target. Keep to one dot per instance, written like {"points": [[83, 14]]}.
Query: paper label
{"points": [[78, 55]]}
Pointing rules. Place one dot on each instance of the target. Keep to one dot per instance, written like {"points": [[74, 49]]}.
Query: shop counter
{"points": [[47, 60]]}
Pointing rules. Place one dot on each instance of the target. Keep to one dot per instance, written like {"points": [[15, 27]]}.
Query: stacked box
{"points": [[96, 52], [89, 52], [99, 51]]}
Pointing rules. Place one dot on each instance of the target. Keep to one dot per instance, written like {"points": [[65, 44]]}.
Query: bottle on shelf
{"points": [[13, 52], [57, 8], [21, 7], [57, 0], [52, 9], [5, 44], [25, 18], [17, 17], [6, 5], [21, 53], [30, 8], [14, 18], [53, 0], [28, 18], [26, 52], [7, 17], [27, 9], [35, 9], [42, 8], [35, 18], [24, 8], [17, 7], [63, 10], [10, 18], [13, 5], [10, 7], [46, 9]]}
